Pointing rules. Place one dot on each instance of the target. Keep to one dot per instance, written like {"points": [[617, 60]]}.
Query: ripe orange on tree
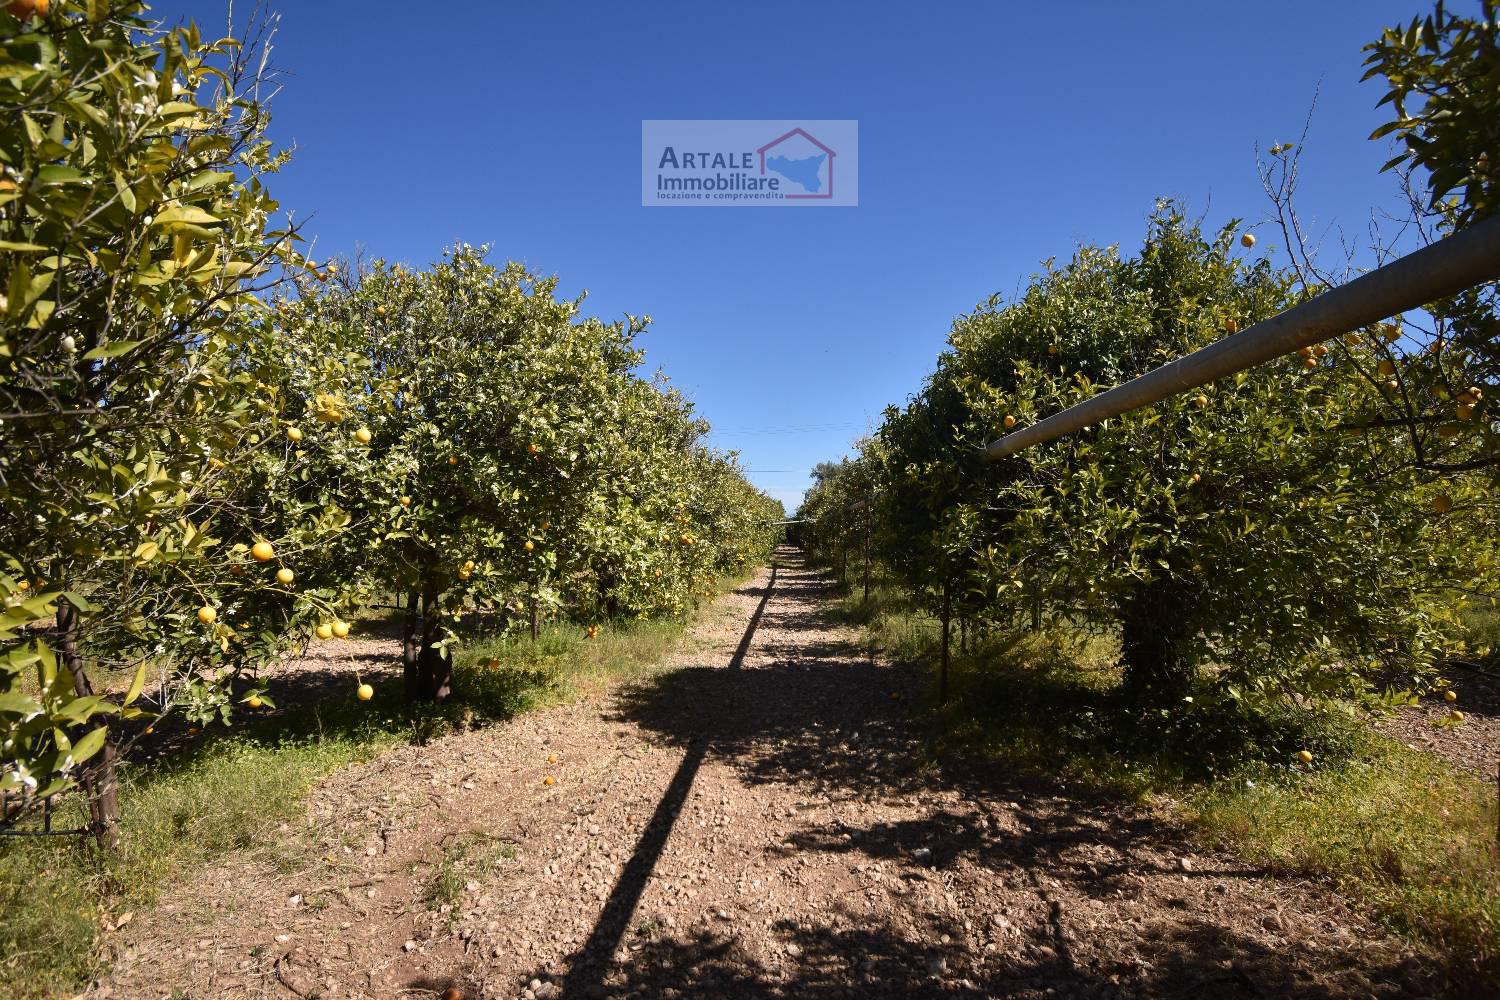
{"points": [[23, 10]]}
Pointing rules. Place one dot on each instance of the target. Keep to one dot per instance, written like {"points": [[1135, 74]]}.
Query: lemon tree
{"points": [[495, 452], [1254, 537], [133, 223]]}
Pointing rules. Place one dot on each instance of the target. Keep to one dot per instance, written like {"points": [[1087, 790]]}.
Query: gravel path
{"points": [[1474, 744], [760, 821]]}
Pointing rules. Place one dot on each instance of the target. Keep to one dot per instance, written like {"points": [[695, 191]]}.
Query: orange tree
{"points": [[490, 450], [1440, 369], [133, 225], [1253, 537]]}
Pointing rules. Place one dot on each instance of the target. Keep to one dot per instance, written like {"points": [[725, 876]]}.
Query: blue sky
{"points": [[992, 136]]}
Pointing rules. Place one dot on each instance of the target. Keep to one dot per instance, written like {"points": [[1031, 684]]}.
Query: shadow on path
{"points": [[1065, 892], [586, 975]]}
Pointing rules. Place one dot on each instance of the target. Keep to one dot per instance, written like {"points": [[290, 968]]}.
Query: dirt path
{"points": [[760, 822]]}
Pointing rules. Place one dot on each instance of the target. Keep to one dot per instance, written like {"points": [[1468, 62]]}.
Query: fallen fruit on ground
{"points": [[1305, 756]]}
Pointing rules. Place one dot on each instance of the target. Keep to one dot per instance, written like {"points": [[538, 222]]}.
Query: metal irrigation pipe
{"points": [[1444, 268]]}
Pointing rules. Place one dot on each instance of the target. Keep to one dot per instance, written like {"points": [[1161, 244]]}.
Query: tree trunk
{"points": [[867, 562], [436, 665], [1153, 644], [1036, 612], [947, 634], [411, 647], [611, 601], [100, 789]]}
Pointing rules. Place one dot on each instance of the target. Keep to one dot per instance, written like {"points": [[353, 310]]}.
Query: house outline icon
{"points": [[780, 139]]}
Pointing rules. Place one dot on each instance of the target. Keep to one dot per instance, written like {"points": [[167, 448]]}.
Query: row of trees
{"points": [[213, 448], [1309, 529]]}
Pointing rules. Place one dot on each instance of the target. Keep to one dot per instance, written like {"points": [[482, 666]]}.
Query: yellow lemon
{"points": [[207, 615], [262, 552]]}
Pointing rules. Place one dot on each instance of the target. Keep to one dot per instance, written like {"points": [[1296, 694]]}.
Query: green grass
{"points": [[1409, 836], [1483, 639], [229, 794], [465, 858], [1398, 829]]}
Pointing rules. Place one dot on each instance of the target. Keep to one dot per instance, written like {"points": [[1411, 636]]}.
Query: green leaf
{"points": [[57, 174], [113, 350], [184, 215], [89, 745], [136, 684]]}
